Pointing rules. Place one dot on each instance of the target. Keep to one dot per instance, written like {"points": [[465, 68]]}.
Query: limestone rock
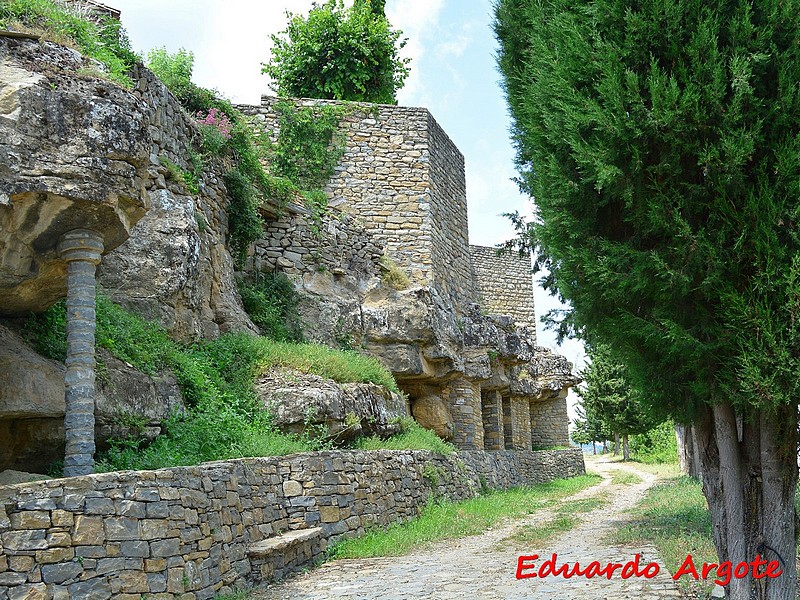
{"points": [[297, 400], [32, 404], [71, 156], [432, 413]]}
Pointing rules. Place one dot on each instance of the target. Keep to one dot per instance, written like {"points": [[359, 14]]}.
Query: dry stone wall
{"points": [[505, 285], [338, 245], [192, 532]]}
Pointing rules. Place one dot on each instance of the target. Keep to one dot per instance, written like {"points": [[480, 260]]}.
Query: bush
{"points": [[271, 301], [658, 445], [338, 53]]}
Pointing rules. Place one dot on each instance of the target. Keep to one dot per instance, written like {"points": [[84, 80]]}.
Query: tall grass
{"points": [[104, 40]]}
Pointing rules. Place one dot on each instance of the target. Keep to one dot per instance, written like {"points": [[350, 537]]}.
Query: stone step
{"points": [[264, 548]]}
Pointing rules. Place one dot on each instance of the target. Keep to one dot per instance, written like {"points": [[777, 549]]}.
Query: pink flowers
{"points": [[217, 119]]}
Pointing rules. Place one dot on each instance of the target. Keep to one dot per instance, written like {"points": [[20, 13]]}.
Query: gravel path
{"points": [[483, 567]]}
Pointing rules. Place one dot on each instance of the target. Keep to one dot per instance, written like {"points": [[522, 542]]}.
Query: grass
{"points": [[625, 478], [540, 534], [105, 41], [447, 520], [674, 517], [411, 437]]}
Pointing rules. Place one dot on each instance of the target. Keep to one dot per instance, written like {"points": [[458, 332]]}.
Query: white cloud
{"points": [[418, 20]]}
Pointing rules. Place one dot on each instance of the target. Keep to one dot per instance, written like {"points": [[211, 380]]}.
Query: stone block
{"points": [[30, 519], [32, 539], [121, 528], [61, 572], [36, 591], [54, 555], [292, 488], [89, 531]]}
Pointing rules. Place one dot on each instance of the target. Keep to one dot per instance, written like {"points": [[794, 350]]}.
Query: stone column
{"points": [[81, 249], [492, 405], [463, 409], [521, 419]]}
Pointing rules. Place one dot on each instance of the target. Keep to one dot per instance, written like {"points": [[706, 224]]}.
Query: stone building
{"points": [[460, 340]]}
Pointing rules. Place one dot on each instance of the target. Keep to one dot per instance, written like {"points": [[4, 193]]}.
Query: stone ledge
{"points": [[265, 548]]}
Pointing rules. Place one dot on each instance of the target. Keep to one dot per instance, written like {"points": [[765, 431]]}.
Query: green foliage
{"points": [[244, 221], [662, 142], [658, 445], [104, 41], [308, 146], [174, 70], [47, 332], [339, 53], [412, 436], [609, 404], [187, 178], [224, 418], [447, 520], [271, 301]]}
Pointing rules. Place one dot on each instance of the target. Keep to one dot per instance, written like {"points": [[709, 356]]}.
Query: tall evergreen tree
{"points": [[661, 141], [609, 399]]}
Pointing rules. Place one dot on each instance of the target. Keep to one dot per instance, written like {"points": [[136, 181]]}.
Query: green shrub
{"points": [[309, 146], [412, 436], [104, 41], [658, 445], [271, 301], [338, 53]]}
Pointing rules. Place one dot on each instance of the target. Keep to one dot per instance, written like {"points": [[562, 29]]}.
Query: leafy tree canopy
{"points": [[339, 53]]}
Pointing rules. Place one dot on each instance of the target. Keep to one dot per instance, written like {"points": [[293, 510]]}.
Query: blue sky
{"points": [[453, 74]]}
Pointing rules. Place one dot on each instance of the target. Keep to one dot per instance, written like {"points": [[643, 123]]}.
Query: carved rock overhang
{"points": [[74, 153]]}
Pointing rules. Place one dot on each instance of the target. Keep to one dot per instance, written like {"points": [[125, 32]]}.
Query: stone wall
{"points": [[505, 285], [549, 423], [189, 532], [403, 178], [338, 245]]}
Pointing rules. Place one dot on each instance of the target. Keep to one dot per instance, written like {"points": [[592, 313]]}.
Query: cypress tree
{"points": [[661, 142]]}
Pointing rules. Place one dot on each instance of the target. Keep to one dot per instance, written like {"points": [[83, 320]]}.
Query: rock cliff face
{"points": [[77, 151]]}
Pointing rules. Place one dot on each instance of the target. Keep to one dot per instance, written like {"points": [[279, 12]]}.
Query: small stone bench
{"points": [[277, 557]]}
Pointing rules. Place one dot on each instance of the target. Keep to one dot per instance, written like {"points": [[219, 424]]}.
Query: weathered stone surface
{"points": [[32, 404], [73, 155], [33, 386], [297, 400], [432, 413]]}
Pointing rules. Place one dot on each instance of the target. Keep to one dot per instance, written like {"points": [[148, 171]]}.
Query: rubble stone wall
{"points": [[505, 285], [336, 245], [185, 532]]}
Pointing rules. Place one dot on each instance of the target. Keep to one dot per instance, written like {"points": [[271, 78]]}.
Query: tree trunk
{"points": [[594, 448], [626, 456], [688, 452], [82, 250], [749, 480], [616, 444]]}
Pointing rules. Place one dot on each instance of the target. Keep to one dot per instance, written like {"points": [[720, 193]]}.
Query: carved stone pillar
{"points": [[81, 249]]}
